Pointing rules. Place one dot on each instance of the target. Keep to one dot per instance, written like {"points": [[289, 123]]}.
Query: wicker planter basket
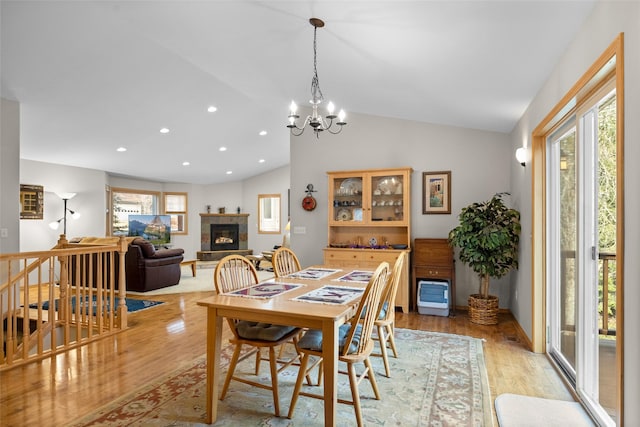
{"points": [[483, 311]]}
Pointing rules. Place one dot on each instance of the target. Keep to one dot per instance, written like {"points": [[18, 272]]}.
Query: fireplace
{"points": [[233, 238], [225, 237]]}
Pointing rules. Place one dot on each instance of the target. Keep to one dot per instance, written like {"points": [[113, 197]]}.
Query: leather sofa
{"points": [[148, 269]]}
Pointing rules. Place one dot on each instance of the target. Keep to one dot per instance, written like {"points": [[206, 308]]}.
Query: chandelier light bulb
{"points": [[330, 108], [341, 116], [293, 108]]}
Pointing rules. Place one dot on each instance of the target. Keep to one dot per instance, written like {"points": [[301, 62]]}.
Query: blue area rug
{"points": [[133, 305]]}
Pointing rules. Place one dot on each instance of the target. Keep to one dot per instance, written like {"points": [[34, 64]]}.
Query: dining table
{"points": [[317, 297]]}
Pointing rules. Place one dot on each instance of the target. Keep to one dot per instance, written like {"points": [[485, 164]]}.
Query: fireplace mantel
{"points": [[223, 215]]}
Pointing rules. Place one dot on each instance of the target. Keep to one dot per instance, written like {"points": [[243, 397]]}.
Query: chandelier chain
{"points": [[316, 92]]}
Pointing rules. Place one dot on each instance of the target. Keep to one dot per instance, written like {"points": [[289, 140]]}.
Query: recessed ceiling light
{"points": [[185, 163], [261, 161], [121, 149], [212, 109], [164, 130], [263, 132], [229, 172], [222, 148]]}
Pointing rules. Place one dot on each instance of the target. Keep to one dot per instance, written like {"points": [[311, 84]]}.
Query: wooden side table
{"points": [[433, 259], [190, 263]]}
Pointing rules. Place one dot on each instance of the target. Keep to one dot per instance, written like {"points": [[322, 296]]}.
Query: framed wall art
{"points": [[436, 192], [31, 201]]}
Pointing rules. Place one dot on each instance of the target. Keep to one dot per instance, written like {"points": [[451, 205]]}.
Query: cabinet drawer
{"points": [[378, 257], [433, 272], [340, 256], [359, 258]]}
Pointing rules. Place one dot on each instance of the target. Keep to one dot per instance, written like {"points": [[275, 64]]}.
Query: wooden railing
{"points": [[606, 261], [52, 301]]}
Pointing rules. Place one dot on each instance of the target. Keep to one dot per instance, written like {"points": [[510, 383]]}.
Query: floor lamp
{"points": [[74, 214]]}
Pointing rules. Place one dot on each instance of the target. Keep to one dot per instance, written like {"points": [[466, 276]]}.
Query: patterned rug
{"points": [[438, 380], [133, 305]]}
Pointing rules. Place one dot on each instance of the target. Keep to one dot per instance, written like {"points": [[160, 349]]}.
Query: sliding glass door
{"points": [[581, 214]]}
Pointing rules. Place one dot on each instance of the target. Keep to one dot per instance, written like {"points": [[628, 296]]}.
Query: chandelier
{"points": [[315, 120]]}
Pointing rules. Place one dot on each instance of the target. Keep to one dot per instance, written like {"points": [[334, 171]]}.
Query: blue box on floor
{"points": [[433, 297]]}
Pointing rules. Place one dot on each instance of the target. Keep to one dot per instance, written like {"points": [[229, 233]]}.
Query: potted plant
{"points": [[487, 237]]}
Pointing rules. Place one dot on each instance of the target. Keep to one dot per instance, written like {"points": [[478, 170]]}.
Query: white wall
{"points": [[605, 23], [9, 173], [479, 162], [274, 182], [90, 202]]}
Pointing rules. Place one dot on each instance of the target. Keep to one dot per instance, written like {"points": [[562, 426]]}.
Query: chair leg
{"points": [[355, 395], [231, 370], [382, 340], [274, 380], [372, 378], [392, 341], [258, 358], [298, 386]]}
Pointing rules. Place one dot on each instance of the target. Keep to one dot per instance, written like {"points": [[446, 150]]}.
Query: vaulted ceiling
{"points": [[93, 76]]}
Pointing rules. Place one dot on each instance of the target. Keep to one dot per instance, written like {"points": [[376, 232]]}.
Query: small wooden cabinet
{"points": [[369, 220], [433, 259]]}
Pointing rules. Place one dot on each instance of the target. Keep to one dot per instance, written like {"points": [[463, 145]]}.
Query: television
{"points": [[154, 228]]}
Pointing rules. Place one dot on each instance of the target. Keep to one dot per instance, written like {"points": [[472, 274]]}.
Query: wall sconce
{"points": [[521, 156], [74, 214]]}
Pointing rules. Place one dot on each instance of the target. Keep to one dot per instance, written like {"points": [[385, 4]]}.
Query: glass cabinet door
{"points": [[347, 199], [387, 198]]}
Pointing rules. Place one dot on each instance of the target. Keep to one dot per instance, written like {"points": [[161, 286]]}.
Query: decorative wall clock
{"points": [[309, 202]]}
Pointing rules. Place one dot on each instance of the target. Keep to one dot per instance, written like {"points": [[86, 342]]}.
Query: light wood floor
{"points": [[58, 390]]}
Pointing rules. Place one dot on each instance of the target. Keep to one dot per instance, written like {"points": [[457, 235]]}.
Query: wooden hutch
{"points": [[370, 221]]}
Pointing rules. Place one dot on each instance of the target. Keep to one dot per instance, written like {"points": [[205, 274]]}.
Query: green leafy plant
{"points": [[488, 236]]}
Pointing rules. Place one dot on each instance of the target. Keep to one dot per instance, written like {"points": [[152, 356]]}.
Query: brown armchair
{"points": [[148, 269]]}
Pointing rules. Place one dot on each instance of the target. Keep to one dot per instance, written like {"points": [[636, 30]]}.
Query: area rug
{"points": [[438, 380], [203, 282], [515, 410], [133, 305]]}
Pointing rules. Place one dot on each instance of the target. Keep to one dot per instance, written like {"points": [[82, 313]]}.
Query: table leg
{"points": [[330, 360], [214, 343]]}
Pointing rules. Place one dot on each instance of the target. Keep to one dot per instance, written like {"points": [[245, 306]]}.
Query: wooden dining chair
{"points": [[385, 320], [285, 262], [236, 272], [355, 346]]}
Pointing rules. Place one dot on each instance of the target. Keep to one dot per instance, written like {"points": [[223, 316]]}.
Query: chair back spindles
{"points": [[234, 272], [285, 262], [388, 299], [364, 315]]}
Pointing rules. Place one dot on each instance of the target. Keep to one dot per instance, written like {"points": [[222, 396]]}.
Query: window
{"points": [[175, 205], [125, 202], [269, 213]]}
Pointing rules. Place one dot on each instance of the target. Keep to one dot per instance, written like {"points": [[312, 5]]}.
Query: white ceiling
{"points": [[92, 76]]}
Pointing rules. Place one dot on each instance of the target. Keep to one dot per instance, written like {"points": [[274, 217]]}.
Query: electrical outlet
{"points": [[4, 233]]}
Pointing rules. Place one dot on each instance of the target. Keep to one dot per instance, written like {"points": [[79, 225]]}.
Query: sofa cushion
{"points": [[148, 250], [166, 253]]}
